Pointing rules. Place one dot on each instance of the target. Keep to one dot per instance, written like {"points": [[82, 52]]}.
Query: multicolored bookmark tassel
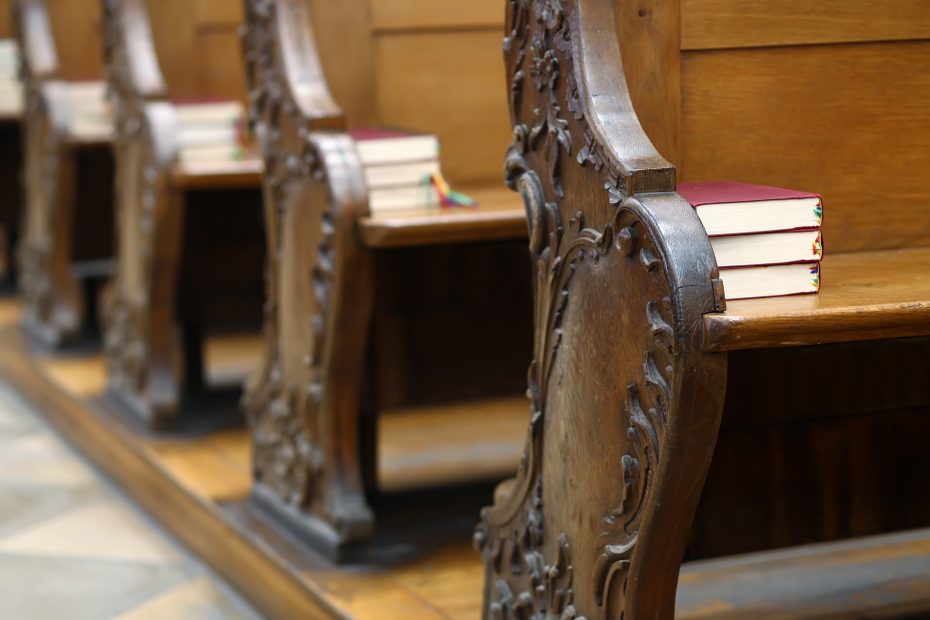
{"points": [[448, 197]]}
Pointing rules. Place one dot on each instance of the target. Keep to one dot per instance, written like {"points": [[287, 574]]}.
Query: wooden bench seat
{"points": [[871, 577], [499, 215], [864, 295], [246, 172]]}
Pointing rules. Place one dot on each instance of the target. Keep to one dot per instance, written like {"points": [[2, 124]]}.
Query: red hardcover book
{"points": [[767, 240], [732, 208]]}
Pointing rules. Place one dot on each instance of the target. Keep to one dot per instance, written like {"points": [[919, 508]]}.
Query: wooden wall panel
{"points": [[452, 84], [344, 40], [198, 47], [716, 24], [222, 73], [76, 28], [6, 19], [433, 14], [849, 121], [650, 45], [213, 13]]}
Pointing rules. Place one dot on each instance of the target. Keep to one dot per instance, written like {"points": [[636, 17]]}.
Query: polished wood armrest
{"points": [[499, 215], [863, 296], [37, 46]]}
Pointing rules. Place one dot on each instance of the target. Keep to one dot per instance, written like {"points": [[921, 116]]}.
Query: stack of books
{"points": [[211, 132], [402, 171], [768, 241], [91, 114], [11, 91]]}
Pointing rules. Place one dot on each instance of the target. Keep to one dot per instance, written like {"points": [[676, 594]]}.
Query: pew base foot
{"points": [[311, 530], [154, 414], [51, 334]]}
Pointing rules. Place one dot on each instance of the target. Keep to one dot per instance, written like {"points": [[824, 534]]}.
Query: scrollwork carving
{"points": [[295, 466], [581, 212], [52, 303], [144, 153]]}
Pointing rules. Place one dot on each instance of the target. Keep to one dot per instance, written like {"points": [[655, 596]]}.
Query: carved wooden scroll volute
{"points": [[625, 406]]}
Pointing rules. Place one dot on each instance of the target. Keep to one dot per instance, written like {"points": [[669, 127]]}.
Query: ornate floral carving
{"points": [[287, 455], [42, 165], [140, 178], [49, 309], [511, 535], [533, 589]]}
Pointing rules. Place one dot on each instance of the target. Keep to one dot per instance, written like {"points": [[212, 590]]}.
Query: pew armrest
{"points": [[39, 59]]}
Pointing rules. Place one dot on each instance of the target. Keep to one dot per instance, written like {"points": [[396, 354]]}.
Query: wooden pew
{"points": [[11, 166], [190, 241], [414, 320], [816, 405], [67, 231]]}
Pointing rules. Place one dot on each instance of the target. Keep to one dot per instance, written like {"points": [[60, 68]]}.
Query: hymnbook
{"points": [[768, 241], [402, 171], [11, 91]]}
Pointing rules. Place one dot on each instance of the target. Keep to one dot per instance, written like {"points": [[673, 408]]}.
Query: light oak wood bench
{"points": [[377, 318], [66, 236], [190, 240], [809, 413]]}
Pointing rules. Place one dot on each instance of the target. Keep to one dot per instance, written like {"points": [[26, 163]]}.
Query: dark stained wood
{"points": [[246, 173], [807, 458], [628, 392], [10, 173], [11, 195], [626, 406], [189, 238], [864, 295], [67, 180], [392, 315], [880, 577]]}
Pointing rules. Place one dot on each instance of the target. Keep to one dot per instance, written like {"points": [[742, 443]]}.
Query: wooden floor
{"points": [[197, 485]]}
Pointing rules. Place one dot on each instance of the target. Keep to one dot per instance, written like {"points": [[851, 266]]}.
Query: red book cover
{"points": [[714, 192]]}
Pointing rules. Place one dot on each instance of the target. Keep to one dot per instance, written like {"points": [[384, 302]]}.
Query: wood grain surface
{"points": [[715, 24], [864, 296], [429, 14], [499, 215], [851, 122]]}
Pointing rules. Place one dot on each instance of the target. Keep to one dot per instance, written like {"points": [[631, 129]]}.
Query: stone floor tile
{"points": [[41, 460], [106, 529], [39, 588], [21, 508], [198, 599]]}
